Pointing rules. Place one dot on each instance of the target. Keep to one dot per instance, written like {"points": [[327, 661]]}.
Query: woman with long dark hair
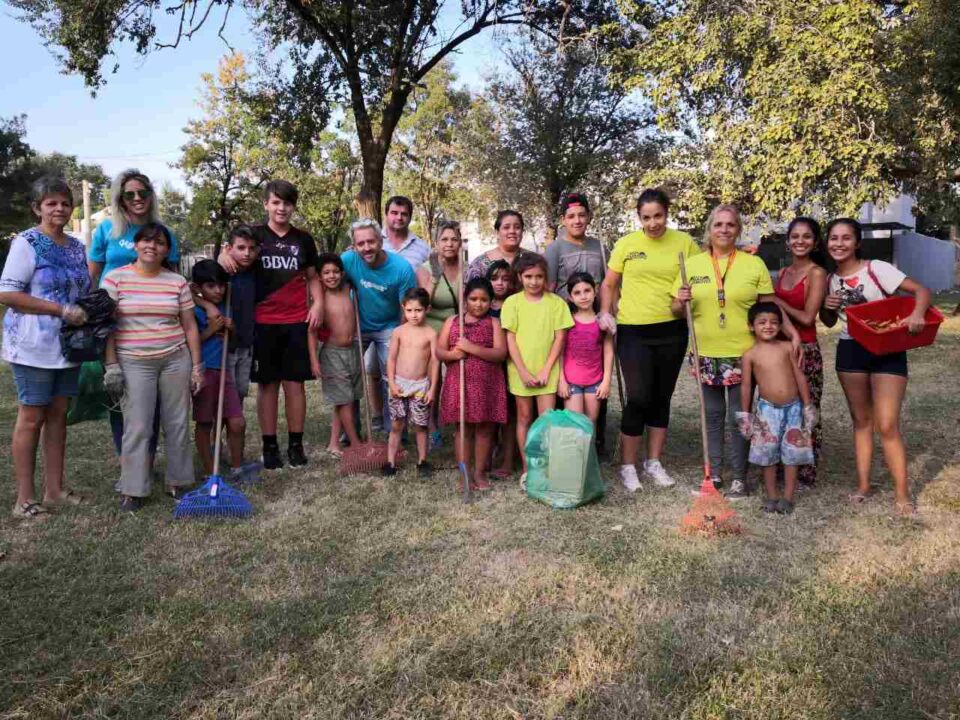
{"points": [[874, 385], [800, 289]]}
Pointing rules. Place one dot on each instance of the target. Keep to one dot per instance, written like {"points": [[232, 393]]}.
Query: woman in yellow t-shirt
{"points": [[651, 341], [724, 284]]}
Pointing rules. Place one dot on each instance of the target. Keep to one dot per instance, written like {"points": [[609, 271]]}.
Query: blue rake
{"points": [[215, 498]]}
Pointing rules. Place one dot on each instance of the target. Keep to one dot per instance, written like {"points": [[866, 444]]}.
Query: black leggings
{"points": [[650, 375]]}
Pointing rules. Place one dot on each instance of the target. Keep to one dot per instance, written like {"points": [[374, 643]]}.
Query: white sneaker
{"points": [[628, 476], [738, 491], [654, 470]]}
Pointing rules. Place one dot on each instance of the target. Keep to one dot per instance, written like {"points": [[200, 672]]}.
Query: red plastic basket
{"points": [[898, 339]]}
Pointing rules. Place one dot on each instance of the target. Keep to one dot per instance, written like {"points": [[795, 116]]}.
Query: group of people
{"points": [[537, 331]]}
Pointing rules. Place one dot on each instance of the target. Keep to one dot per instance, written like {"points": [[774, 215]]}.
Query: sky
{"points": [[137, 119]]}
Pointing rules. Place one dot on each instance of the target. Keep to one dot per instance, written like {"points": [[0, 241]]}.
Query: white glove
{"points": [[196, 379], [810, 417], [607, 322], [73, 314], [113, 382]]}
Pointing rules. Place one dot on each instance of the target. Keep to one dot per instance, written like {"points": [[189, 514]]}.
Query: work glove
{"points": [[196, 379], [746, 423], [113, 383], [73, 315], [810, 417]]}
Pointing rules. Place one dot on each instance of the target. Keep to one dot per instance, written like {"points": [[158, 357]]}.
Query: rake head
{"points": [[215, 499], [366, 457], [711, 514]]}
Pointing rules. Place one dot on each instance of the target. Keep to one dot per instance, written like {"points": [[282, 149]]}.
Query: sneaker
{"points": [[424, 470], [738, 491], [296, 456], [628, 476], [654, 470], [388, 469], [717, 482], [770, 506], [271, 458], [784, 507]]}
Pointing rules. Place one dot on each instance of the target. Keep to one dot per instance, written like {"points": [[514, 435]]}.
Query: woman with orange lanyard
{"points": [[800, 289], [723, 285]]}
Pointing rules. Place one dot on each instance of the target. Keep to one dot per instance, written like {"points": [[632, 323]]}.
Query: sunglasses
{"points": [[130, 195]]}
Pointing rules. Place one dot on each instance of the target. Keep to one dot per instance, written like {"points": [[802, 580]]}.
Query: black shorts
{"points": [[280, 353], [852, 357]]}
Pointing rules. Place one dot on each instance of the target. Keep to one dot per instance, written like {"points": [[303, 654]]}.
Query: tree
{"points": [[368, 56], [424, 161], [820, 105], [16, 175], [230, 155], [557, 123]]}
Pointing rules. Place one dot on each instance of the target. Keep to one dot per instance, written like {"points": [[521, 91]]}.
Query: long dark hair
{"points": [[857, 232]]}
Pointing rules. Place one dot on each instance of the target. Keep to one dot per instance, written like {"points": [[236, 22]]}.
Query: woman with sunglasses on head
{"points": [[133, 204], [800, 289], [874, 385]]}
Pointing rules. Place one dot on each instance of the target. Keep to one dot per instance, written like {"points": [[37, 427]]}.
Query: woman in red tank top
{"points": [[800, 289]]}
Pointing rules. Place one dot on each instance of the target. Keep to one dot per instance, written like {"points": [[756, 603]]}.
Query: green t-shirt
{"points": [[534, 325], [742, 284], [649, 266]]}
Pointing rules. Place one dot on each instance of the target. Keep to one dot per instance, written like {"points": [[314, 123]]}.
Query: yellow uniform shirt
{"points": [[649, 266], [744, 282], [534, 325]]}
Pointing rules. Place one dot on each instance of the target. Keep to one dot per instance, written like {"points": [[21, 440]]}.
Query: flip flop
{"points": [[67, 497], [30, 511], [335, 454], [858, 498], [905, 509], [501, 474]]}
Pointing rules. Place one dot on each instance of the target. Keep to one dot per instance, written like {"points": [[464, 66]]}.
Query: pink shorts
{"points": [[205, 402]]}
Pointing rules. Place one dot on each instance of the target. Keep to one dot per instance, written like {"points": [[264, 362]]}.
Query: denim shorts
{"points": [[38, 386], [852, 357], [583, 389]]}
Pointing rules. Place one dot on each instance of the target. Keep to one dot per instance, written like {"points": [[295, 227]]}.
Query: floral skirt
{"points": [[719, 372], [813, 371]]}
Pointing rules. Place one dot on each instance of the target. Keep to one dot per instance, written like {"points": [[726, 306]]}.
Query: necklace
{"points": [[721, 294]]}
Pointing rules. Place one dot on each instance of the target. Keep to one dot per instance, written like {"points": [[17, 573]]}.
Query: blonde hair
{"points": [[713, 216], [444, 225], [120, 223]]}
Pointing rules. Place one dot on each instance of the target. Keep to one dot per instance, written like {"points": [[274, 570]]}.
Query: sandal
{"points": [[501, 474], [905, 509], [858, 498], [67, 497], [30, 510], [335, 454]]}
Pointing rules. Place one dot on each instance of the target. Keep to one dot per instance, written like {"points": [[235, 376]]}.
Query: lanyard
{"points": [[721, 294]]}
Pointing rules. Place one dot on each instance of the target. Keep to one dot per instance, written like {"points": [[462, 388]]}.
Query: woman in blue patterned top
{"points": [[44, 275]]}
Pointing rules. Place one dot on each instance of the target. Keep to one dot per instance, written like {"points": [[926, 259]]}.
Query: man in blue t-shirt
{"points": [[381, 279]]}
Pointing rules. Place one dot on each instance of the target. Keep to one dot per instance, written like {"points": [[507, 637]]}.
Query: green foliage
{"points": [[798, 106], [424, 159], [555, 124], [368, 56]]}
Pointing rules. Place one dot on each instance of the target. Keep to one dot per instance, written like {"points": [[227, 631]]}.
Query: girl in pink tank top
{"points": [[587, 362]]}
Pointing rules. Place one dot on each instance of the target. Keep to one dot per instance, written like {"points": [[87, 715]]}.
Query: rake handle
{"points": [[463, 390], [696, 371], [223, 385], [363, 367]]}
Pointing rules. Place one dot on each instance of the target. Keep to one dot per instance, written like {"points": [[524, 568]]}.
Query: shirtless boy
{"points": [[338, 362], [779, 432], [413, 375]]}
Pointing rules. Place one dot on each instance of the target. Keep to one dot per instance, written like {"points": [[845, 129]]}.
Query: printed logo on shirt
{"points": [[274, 262], [373, 286], [636, 256], [699, 279]]}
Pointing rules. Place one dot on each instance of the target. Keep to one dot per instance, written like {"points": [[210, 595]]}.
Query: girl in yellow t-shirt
{"points": [[724, 284], [536, 323]]}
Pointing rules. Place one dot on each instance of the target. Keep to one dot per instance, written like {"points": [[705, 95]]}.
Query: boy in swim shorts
{"points": [[413, 375], [779, 432]]}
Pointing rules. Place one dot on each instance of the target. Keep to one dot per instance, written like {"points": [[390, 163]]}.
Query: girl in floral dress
{"points": [[483, 348]]}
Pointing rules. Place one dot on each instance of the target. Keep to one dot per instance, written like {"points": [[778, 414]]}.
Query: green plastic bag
{"points": [[562, 466], [92, 402]]}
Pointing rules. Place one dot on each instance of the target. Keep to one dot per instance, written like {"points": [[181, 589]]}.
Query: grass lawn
{"points": [[365, 598]]}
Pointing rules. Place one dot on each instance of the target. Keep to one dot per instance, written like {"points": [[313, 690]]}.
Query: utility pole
{"points": [[87, 218]]}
